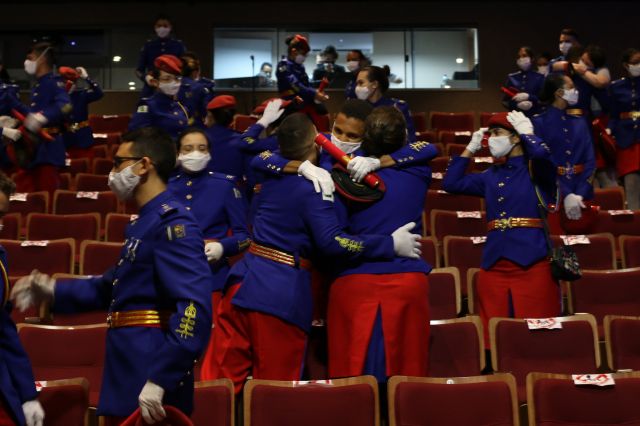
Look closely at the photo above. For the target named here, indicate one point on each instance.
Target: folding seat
(11, 226)
(598, 253)
(472, 295)
(484, 118)
(77, 165)
(630, 250)
(102, 166)
(60, 352)
(456, 347)
(32, 202)
(74, 202)
(622, 343)
(100, 150)
(455, 149)
(66, 181)
(84, 226)
(439, 164)
(115, 226)
(463, 253)
(128, 207)
(214, 403)
(419, 121)
(555, 399)
(65, 402)
(601, 293)
(109, 140)
(430, 252)
(428, 136)
(441, 200)
(109, 123)
(610, 198)
(243, 122)
(454, 401)
(618, 224)
(55, 255)
(92, 182)
(444, 293)
(457, 137)
(461, 121)
(340, 402)
(467, 224)
(98, 256)
(519, 350)
(71, 319)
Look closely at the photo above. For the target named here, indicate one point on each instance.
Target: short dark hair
(162, 17)
(574, 53)
(362, 56)
(293, 136)
(156, 144)
(188, 131)
(571, 33)
(46, 50)
(190, 62)
(7, 186)
(379, 74)
(385, 131)
(596, 55)
(552, 83)
(628, 54)
(528, 50)
(267, 64)
(223, 116)
(355, 108)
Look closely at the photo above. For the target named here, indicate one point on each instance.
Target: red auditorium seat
(630, 250)
(84, 226)
(428, 136)
(214, 403)
(554, 399)
(610, 198)
(445, 223)
(444, 293)
(65, 402)
(622, 343)
(468, 401)
(430, 252)
(456, 347)
(98, 256)
(624, 224)
(32, 202)
(11, 226)
(419, 121)
(100, 151)
(109, 123)
(129, 207)
(448, 137)
(66, 181)
(439, 164)
(602, 293)
(77, 165)
(74, 202)
(243, 122)
(102, 166)
(56, 256)
(71, 319)
(462, 253)
(92, 182)
(340, 402)
(472, 297)
(484, 118)
(59, 352)
(115, 225)
(573, 349)
(461, 121)
(441, 200)
(600, 253)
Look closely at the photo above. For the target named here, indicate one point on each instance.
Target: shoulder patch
(175, 232)
(166, 209)
(230, 178)
(237, 193)
(143, 109)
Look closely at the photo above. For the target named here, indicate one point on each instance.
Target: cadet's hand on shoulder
(321, 179)
(405, 243)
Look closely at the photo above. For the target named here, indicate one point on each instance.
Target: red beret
(300, 42)
(168, 63)
(68, 73)
(260, 108)
(222, 101)
(500, 120)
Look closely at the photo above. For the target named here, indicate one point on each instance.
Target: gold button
(501, 184)
(188, 208)
(115, 282)
(500, 199)
(189, 196)
(568, 152)
(189, 183)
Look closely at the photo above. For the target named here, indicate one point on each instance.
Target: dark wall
(503, 27)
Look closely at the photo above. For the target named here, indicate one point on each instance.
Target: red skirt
(628, 159)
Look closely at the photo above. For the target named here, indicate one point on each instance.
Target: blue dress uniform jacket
(219, 209)
(404, 108)
(251, 144)
(293, 81)
(508, 192)
(161, 111)
(49, 98)
(195, 95)
(16, 378)
(151, 49)
(76, 136)
(624, 96)
(525, 82)
(162, 267)
(570, 141)
(226, 157)
(293, 218)
(9, 98)
(350, 89)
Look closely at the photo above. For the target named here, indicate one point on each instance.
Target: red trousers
(403, 301)
(245, 342)
(6, 419)
(44, 177)
(534, 292)
(628, 159)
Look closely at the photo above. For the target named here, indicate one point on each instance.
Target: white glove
(573, 205)
(359, 167)
(405, 243)
(476, 140)
(320, 177)
(519, 97)
(608, 131)
(524, 105)
(520, 122)
(271, 113)
(33, 413)
(35, 121)
(8, 121)
(214, 251)
(13, 134)
(83, 73)
(150, 401)
(33, 290)
(148, 78)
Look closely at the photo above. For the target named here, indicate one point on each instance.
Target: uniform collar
(516, 161)
(154, 203)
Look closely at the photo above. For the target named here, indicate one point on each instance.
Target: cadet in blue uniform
(356, 60)
(569, 138)
(162, 44)
(527, 82)
(163, 109)
(9, 97)
(227, 158)
(514, 260)
(158, 295)
(48, 107)
(264, 318)
(195, 91)
(372, 85)
(18, 404)
(78, 137)
(625, 115)
(568, 39)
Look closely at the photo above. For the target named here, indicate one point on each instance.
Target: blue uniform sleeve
(88, 294)
(61, 105)
(286, 77)
(236, 210)
(143, 117)
(585, 184)
(411, 128)
(250, 142)
(141, 68)
(415, 153)
(269, 163)
(535, 148)
(184, 278)
(14, 355)
(94, 93)
(457, 181)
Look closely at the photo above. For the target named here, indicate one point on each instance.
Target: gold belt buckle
(503, 224)
(634, 115)
(109, 320)
(74, 127)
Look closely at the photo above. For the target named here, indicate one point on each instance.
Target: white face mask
(170, 89)
(363, 92)
(300, 59)
(500, 146)
(543, 69)
(564, 47)
(571, 96)
(346, 147)
(194, 161)
(353, 66)
(123, 183)
(634, 70)
(31, 66)
(163, 32)
(524, 63)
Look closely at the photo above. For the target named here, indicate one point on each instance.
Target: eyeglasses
(117, 161)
